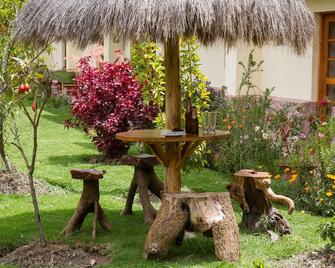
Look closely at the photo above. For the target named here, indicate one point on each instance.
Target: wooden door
(327, 66)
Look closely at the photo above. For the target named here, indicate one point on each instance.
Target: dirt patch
(58, 255)
(18, 183)
(315, 259)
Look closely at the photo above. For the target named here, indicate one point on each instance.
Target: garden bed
(317, 259)
(18, 183)
(57, 255)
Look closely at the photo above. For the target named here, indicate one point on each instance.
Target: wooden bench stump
(145, 180)
(89, 202)
(209, 213)
(252, 191)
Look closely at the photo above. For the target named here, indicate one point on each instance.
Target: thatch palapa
(258, 22)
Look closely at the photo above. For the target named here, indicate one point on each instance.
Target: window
(327, 64)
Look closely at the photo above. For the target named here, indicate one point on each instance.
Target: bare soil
(57, 254)
(18, 183)
(315, 259)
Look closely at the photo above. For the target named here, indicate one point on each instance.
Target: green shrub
(327, 232)
(148, 65)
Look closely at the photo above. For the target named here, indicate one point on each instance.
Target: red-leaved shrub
(109, 102)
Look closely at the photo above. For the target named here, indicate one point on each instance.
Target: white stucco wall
(217, 64)
(56, 60)
(291, 75)
(321, 5)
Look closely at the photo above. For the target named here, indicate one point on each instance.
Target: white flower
(246, 137)
(266, 136)
(324, 123)
(257, 128)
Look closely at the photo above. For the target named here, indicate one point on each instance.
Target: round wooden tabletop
(154, 136)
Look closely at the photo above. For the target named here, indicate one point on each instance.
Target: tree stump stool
(145, 180)
(252, 191)
(209, 213)
(89, 202)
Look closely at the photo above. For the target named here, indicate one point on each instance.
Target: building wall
(292, 76)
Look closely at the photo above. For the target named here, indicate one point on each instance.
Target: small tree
(8, 49)
(110, 101)
(37, 76)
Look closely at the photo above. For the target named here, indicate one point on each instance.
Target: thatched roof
(260, 22)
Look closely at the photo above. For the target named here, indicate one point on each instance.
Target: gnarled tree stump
(209, 213)
(89, 202)
(252, 191)
(145, 180)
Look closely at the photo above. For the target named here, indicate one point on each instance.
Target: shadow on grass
(70, 160)
(85, 145)
(56, 118)
(126, 238)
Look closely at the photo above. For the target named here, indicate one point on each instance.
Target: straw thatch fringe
(258, 22)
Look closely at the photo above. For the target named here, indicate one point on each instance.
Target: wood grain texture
(152, 136)
(172, 84)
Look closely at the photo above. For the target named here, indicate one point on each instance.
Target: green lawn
(61, 149)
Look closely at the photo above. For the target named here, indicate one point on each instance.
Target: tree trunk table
(89, 202)
(145, 180)
(170, 151)
(209, 213)
(252, 191)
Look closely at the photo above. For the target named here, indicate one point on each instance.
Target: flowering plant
(313, 184)
(324, 102)
(109, 102)
(246, 117)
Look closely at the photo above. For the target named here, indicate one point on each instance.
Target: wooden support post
(172, 171)
(173, 113)
(172, 84)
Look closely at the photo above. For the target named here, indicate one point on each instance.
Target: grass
(61, 149)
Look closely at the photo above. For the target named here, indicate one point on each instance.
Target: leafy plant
(312, 170)
(245, 116)
(149, 69)
(110, 101)
(194, 83)
(327, 232)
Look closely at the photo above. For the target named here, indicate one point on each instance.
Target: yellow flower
(311, 172)
(278, 177)
(294, 172)
(294, 177)
(329, 194)
(321, 200)
(225, 120)
(333, 187)
(330, 176)
(287, 170)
